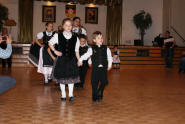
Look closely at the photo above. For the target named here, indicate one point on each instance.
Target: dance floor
(140, 96)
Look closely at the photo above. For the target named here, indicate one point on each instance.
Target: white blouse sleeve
(109, 57)
(40, 35)
(84, 31)
(54, 39)
(86, 55)
(77, 45)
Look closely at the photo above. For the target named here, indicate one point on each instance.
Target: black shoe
(95, 99)
(100, 98)
(77, 87)
(71, 98)
(63, 99)
(81, 87)
(180, 70)
(49, 80)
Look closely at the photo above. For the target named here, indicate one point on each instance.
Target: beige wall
(177, 19)
(39, 26)
(166, 14)
(130, 7)
(12, 6)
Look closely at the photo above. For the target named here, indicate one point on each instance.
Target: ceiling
(98, 2)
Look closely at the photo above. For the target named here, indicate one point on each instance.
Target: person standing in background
(169, 44)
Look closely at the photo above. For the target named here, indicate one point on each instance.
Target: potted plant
(142, 21)
(3, 15)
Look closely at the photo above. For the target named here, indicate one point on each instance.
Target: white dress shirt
(76, 29)
(54, 40)
(90, 52)
(41, 34)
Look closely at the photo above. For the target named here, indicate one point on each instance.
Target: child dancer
(77, 27)
(65, 70)
(46, 59)
(116, 60)
(101, 62)
(83, 69)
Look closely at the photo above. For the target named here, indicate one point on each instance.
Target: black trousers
(169, 56)
(99, 80)
(82, 72)
(9, 61)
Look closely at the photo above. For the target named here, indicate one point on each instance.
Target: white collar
(67, 35)
(49, 33)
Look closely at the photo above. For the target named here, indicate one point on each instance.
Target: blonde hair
(95, 34)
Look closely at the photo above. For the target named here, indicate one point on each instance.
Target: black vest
(83, 50)
(67, 46)
(46, 38)
(99, 56)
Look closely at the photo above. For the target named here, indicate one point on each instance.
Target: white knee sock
(49, 76)
(46, 78)
(62, 88)
(70, 86)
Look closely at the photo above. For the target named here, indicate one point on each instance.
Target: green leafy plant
(142, 21)
(3, 15)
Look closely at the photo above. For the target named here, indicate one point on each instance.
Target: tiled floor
(141, 96)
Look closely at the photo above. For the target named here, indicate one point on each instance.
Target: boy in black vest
(83, 69)
(101, 62)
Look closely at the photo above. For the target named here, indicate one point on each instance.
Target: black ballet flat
(95, 99)
(49, 80)
(63, 99)
(100, 98)
(71, 98)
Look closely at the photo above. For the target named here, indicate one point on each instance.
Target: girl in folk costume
(116, 59)
(77, 28)
(46, 57)
(65, 70)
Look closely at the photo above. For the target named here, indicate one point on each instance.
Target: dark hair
(168, 32)
(115, 46)
(65, 20)
(95, 34)
(75, 18)
(83, 36)
(48, 23)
